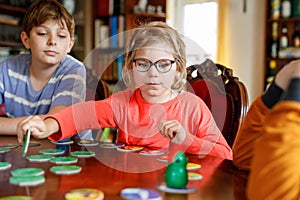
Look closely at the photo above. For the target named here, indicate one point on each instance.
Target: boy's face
(152, 82)
(49, 43)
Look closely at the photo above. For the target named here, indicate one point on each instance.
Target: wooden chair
(223, 93)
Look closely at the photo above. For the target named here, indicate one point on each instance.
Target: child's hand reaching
(172, 130)
(38, 127)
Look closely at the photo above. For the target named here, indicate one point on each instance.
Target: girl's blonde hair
(43, 10)
(156, 33)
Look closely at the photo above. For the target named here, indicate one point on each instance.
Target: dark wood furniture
(111, 171)
(224, 94)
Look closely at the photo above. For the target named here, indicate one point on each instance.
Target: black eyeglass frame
(155, 64)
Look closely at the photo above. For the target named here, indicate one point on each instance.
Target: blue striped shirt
(66, 86)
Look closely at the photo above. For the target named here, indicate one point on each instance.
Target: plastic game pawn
(176, 175)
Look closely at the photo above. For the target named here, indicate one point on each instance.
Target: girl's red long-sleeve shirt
(137, 121)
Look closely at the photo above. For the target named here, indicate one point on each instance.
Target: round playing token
(186, 190)
(111, 145)
(130, 148)
(32, 144)
(88, 143)
(30, 171)
(64, 160)
(192, 176)
(83, 154)
(152, 152)
(17, 197)
(39, 158)
(192, 166)
(85, 193)
(4, 165)
(4, 149)
(9, 145)
(52, 151)
(65, 169)
(140, 194)
(62, 142)
(26, 180)
(163, 158)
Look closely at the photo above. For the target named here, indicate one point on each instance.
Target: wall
(244, 41)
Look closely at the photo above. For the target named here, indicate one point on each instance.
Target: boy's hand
(172, 130)
(287, 73)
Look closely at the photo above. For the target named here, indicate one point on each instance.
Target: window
(199, 23)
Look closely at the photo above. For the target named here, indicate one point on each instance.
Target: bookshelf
(10, 27)
(275, 56)
(112, 19)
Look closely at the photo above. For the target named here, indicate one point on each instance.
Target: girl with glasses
(154, 111)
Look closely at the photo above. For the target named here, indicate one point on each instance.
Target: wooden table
(111, 171)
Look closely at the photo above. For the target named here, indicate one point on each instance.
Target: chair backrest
(223, 93)
(96, 89)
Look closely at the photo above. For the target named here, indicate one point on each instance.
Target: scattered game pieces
(140, 194)
(193, 166)
(65, 169)
(152, 152)
(4, 165)
(4, 149)
(164, 158)
(130, 148)
(31, 144)
(30, 171)
(85, 194)
(27, 180)
(64, 160)
(52, 151)
(88, 143)
(111, 145)
(186, 190)
(83, 154)
(62, 142)
(39, 158)
(9, 145)
(193, 176)
(17, 197)
(26, 140)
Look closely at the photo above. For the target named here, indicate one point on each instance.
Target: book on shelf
(8, 19)
(110, 7)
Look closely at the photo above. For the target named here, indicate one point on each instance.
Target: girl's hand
(172, 130)
(36, 125)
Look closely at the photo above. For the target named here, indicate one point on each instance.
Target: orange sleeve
(249, 132)
(275, 170)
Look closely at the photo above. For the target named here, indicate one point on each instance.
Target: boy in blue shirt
(47, 79)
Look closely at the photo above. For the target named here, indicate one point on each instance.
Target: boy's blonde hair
(43, 10)
(156, 33)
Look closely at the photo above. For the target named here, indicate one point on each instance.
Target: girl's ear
(25, 40)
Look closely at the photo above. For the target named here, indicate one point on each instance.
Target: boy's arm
(251, 128)
(276, 153)
(9, 125)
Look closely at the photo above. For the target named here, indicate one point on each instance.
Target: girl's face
(155, 86)
(49, 43)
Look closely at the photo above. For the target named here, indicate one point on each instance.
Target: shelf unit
(283, 56)
(110, 21)
(10, 28)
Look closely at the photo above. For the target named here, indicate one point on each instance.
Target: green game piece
(4, 165)
(83, 154)
(27, 172)
(65, 169)
(16, 198)
(39, 158)
(26, 180)
(64, 160)
(52, 151)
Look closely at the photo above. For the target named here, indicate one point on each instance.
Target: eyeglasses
(162, 66)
